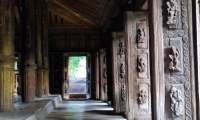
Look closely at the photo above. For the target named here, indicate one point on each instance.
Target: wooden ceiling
(85, 13)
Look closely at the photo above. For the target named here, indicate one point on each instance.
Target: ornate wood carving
(123, 92)
(122, 70)
(142, 97)
(180, 83)
(142, 35)
(176, 102)
(174, 59)
(138, 75)
(173, 10)
(119, 72)
(121, 52)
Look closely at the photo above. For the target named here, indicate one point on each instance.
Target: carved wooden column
(97, 75)
(103, 75)
(119, 73)
(45, 47)
(138, 62)
(28, 65)
(7, 55)
(38, 38)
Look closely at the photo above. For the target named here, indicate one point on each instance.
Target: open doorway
(77, 75)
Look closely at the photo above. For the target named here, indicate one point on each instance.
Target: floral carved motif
(173, 11)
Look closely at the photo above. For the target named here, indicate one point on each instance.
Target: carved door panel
(138, 70)
(88, 79)
(119, 73)
(103, 75)
(65, 83)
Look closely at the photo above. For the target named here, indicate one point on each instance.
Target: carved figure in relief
(176, 102)
(123, 92)
(172, 11)
(105, 73)
(140, 35)
(141, 65)
(104, 59)
(105, 88)
(174, 57)
(142, 98)
(122, 70)
(121, 51)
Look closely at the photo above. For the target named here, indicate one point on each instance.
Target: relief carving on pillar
(104, 59)
(122, 70)
(105, 73)
(123, 92)
(121, 49)
(141, 65)
(105, 88)
(141, 35)
(176, 102)
(174, 58)
(142, 97)
(173, 10)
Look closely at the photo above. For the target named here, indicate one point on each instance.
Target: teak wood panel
(119, 73)
(74, 43)
(103, 74)
(138, 70)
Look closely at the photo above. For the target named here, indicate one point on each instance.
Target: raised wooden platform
(32, 111)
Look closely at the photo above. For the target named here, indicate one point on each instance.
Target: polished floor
(83, 110)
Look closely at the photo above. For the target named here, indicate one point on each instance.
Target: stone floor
(83, 110)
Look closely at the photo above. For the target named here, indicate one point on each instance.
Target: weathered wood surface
(103, 75)
(97, 88)
(138, 78)
(28, 65)
(7, 55)
(119, 73)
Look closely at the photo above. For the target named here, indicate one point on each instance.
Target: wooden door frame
(88, 69)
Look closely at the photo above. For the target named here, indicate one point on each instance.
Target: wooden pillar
(103, 75)
(119, 73)
(45, 47)
(157, 70)
(38, 37)
(6, 55)
(138, 66)
(97, 75)
(28, 65)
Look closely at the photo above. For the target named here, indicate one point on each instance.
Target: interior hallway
(83, 110)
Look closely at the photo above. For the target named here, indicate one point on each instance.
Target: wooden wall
(71, 41)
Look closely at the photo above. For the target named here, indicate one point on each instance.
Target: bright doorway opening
(77, 75)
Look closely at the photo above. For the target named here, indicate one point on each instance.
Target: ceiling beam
(66, 8)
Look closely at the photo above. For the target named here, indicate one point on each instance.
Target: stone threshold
(37, 110)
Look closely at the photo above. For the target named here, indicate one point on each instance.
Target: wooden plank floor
(83, 110)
